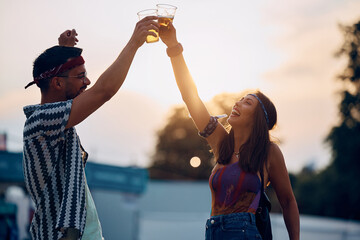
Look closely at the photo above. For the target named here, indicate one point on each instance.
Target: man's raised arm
(112, 79)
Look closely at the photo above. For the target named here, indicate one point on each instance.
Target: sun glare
(195, 162)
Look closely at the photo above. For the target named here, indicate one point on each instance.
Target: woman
(243, 155)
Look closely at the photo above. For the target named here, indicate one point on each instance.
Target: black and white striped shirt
(53, 170)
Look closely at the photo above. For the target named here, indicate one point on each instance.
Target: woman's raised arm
(187, 87)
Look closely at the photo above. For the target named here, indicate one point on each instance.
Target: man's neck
(50, 98)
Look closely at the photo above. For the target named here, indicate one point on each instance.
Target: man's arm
(112, 79)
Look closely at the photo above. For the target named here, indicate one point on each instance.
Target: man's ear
(57, 83)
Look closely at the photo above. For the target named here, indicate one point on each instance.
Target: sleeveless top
(234, 190)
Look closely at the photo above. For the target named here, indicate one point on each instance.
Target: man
(54, 159)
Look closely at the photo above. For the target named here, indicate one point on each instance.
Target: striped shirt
(53, 170)
(234, 190)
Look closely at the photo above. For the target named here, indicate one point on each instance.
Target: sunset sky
(284, 48)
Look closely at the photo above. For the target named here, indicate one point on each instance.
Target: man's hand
(142, 30)
(168, 35)
(68, 38)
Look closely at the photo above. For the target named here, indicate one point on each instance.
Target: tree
(345, 138)
(335, 190)
(179, 141)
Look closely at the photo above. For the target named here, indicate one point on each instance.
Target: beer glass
(149, 12)
(165, 13)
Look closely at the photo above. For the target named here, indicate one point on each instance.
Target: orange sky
(284, 48)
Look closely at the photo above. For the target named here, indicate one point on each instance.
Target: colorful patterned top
(234, 190)
(53, 170)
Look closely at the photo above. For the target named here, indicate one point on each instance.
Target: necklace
(237, 154)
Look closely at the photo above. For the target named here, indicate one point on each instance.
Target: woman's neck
(240, 137)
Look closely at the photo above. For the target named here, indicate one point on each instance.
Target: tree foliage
(335, 191)
(342, 175)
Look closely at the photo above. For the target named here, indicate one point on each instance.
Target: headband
(262, 106)
(74, 62)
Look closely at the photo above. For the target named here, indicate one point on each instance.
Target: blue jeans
(235, 226)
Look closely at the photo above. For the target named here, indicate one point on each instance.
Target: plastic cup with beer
(166, 14)
(149, 12)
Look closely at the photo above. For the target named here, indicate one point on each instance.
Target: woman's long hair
(253, 154)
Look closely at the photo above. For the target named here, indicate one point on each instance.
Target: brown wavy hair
(253, 154)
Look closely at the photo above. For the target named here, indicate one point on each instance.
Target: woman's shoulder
(274, 155)
(274, 149)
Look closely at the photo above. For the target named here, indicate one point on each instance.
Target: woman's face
(242, 114)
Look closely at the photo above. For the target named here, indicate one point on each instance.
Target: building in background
(132, 208)
(3, 142)
(115, 190)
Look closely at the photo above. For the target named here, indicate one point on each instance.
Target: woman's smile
(235, 113)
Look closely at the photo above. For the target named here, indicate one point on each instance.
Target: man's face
(76, 82)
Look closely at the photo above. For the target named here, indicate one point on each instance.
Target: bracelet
(210, 127)
(175, 50)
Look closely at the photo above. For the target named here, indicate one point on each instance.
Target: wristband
(175, 50)
(210, 127)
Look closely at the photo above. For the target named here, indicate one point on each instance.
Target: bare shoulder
(274, 151)
(275, 157)
(277, 167)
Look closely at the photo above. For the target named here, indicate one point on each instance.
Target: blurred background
(148, 169)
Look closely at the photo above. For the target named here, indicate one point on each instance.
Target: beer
(151, 38)
(164, 21)
(149, 12)
(165, 13)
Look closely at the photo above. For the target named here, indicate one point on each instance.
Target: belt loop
(252, 218)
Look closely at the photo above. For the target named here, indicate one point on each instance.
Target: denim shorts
(235, 226)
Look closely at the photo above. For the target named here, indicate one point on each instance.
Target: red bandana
(57, 70)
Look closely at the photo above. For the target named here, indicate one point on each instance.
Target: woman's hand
(68, 38)
(168, 35)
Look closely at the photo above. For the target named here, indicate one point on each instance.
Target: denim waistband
(233, 217)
